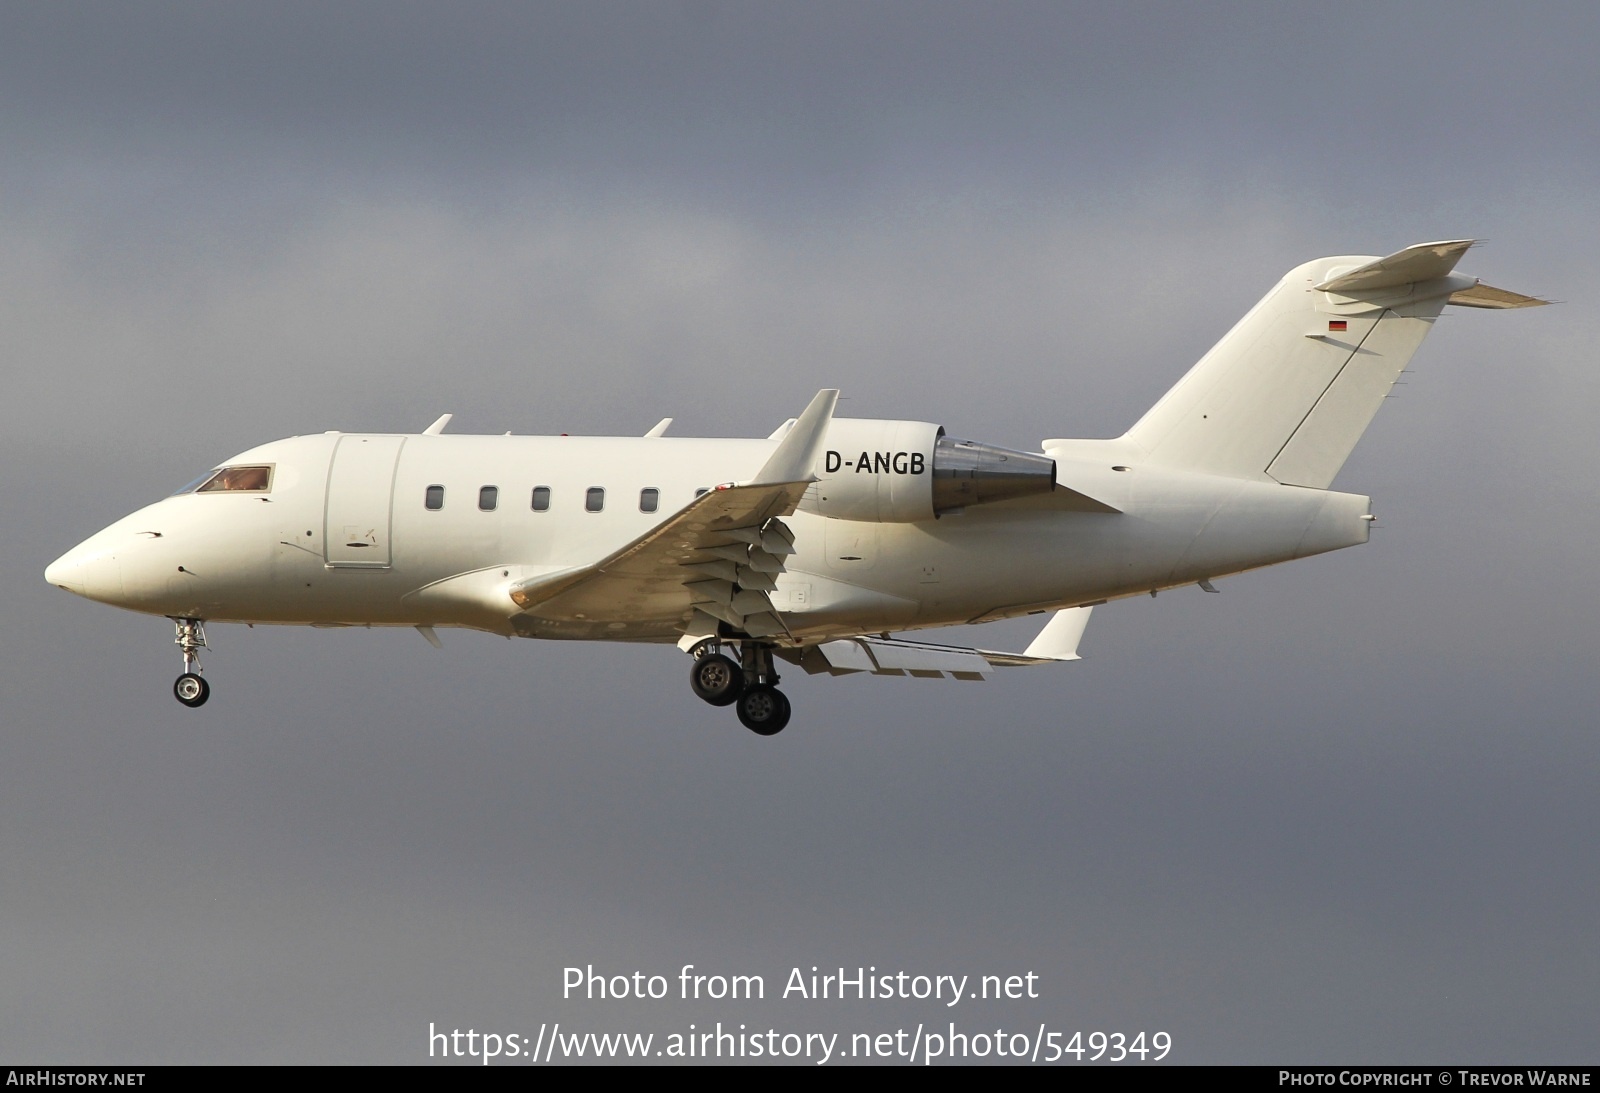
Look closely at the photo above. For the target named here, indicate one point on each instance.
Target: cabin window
(649, 499)
(541, 498)
(595, 500)
(488, 497)
(238, 480)
(433, 498)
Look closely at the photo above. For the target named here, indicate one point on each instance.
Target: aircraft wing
(721, 540)
(717, 556)
(883, 656)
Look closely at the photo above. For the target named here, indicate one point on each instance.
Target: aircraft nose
(87, 570)
(63, 573)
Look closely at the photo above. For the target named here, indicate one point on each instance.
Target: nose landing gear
(191, 688)
(749, 686)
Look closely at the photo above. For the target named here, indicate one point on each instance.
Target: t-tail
(1285, 395)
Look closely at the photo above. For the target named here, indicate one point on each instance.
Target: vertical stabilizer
(1289, 390)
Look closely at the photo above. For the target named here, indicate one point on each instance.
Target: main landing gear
(191, 688)
(749, 687)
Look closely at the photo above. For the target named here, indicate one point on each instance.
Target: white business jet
(812, 545)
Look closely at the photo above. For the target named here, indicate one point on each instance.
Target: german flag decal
(1336, 325)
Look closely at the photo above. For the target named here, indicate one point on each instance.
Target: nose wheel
(191, 688)
(749, 685)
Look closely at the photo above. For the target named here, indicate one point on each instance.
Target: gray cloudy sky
(1342, 812)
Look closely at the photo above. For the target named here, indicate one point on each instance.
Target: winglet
(1057, 642)
(796, 454)
(438, 426)
(660, 427)
(1060, 636)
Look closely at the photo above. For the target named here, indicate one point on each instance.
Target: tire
(763, 710)
(716, 679)
(191, 690)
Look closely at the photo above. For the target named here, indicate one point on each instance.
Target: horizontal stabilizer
(1419, 262)
(1482, 295)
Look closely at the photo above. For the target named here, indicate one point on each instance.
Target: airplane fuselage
(346, 536)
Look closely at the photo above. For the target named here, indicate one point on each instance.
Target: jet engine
(899, 472)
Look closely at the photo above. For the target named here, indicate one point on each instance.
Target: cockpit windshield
(248, 479)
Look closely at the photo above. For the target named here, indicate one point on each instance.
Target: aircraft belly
(633, 605)
(1002, 563)
(656, 630)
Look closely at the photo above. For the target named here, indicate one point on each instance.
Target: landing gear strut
(191, 688)
(749, 685)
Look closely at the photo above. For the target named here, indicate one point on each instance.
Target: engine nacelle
(900, 472)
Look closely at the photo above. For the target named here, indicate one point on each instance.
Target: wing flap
(717, 556)
(685, 548)
(1057, 642)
